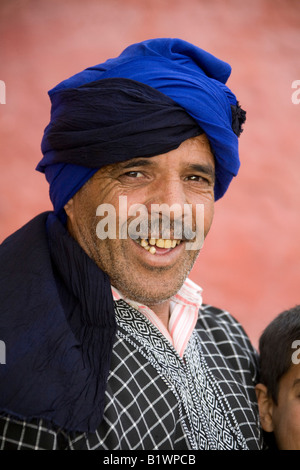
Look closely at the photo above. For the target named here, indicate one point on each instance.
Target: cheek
(287, 426)
(293, 416)
(97, 199)
(208, 215)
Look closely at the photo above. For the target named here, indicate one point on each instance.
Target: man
(108, 343)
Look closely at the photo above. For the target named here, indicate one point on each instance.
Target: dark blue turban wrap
(145, 102)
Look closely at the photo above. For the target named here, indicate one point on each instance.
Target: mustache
(160, 226)
(187, 226)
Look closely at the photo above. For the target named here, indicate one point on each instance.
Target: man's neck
(162, 310)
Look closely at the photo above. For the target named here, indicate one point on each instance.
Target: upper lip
(182, 239)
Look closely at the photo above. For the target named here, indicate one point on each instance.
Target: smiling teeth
(159, 242)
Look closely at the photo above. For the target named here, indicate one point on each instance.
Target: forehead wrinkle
(137, 162)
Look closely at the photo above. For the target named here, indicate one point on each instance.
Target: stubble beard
(154, 289)
(111, 258)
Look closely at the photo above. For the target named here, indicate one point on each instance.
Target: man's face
(182, 176)
(286, 415)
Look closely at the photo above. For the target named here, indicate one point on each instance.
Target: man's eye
(134, 174)
(197, 178)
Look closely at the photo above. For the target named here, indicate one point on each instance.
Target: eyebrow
(198, 167)
(203, 168)
(136, 162)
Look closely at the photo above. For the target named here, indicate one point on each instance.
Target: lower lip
(162, 251)
(164, 255)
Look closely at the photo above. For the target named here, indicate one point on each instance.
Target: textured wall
(250, 261)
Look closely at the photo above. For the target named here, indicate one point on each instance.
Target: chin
(151, 295)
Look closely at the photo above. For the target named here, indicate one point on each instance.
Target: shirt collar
(190, 294)
(184, 307)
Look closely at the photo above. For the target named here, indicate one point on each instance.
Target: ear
(265, 406)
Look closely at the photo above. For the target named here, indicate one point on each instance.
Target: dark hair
(275, 347)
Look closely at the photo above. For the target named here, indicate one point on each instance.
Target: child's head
(278, 392)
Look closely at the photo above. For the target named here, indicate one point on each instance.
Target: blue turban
(144, 102)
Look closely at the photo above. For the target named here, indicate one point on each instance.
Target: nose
(168, 208)
(170, 195)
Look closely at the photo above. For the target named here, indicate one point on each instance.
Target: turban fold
(144, 102)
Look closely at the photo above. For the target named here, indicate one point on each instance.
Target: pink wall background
(250, 261)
